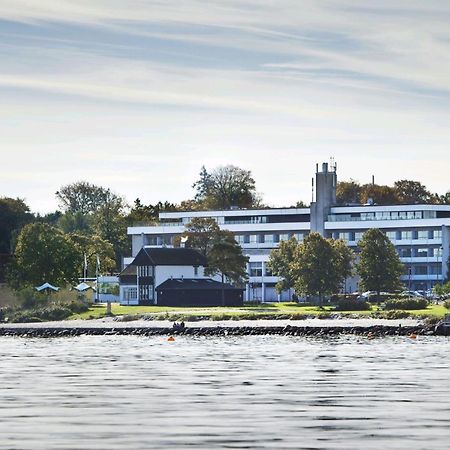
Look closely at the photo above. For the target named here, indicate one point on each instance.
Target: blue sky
(137, 95)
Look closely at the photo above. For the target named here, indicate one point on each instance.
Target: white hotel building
(420, 233)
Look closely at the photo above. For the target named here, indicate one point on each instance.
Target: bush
(77, 306)
(447, 304)
(352, 304)
(406, 303)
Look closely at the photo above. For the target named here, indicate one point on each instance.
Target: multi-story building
(420, 233)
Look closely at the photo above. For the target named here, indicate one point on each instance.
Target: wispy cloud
(240, 81)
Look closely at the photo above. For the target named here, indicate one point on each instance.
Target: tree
(280, 262)
(148, 213)
(411, 192)
(14, 214)
(380, 194)
(110, 224)
(44, 254)
(348, 192)
(201, 233)
(225, 258)
(226, 187)
(443, 199)
(83, 197)
(379, 265)
(75, 222)
(320, 265)
(93, 246)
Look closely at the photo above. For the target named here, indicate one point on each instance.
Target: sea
(246, 392)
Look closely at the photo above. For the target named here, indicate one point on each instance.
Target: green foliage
(352, 304)
(14, 214)
(317, 266)
(93, 246)
(280, 264)
(320, 265)
(44, 254)
(148, 214)
(83, 197)
(226, 187)
(406, 303)
(225, 257)
(379, 265)
(411, 192)
(403, 192)
(442, 290)
(201, 233)
(447, 304)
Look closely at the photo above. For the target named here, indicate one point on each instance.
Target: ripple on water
(242, 392)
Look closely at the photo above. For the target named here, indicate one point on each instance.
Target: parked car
(411, 294)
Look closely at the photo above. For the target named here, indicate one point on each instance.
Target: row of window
(419, 252)
(430, 269)
(382, 215)
(396, 235)
(145, 292)
(269, 238)
(146, 271)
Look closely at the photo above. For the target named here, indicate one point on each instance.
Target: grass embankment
(262, 311)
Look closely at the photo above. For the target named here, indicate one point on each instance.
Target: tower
(326, 181)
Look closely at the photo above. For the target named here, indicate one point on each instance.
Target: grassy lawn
(268, 310)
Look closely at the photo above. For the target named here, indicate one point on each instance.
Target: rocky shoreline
(288, 330)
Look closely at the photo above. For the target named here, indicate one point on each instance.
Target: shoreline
(312, 327)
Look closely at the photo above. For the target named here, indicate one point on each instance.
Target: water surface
(129, 392)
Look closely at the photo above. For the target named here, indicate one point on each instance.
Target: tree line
(319, 266)
(92, 220)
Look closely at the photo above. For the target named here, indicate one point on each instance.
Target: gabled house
(152, 267)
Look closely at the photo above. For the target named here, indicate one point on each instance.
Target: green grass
(269, 310)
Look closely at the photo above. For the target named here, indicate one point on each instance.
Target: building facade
(420, 233)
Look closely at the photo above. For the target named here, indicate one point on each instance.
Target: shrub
(77, 306)
(447, 304)
(352, 304)
(406, 303)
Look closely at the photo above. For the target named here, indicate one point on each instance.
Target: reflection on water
(246, 392)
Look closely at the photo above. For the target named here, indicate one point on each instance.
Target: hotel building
(420, 233)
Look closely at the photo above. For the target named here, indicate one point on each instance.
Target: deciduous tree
(44, 254)
(379, 265)
(226, 187)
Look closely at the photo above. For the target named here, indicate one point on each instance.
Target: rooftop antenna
(373, 180)
(332, 163)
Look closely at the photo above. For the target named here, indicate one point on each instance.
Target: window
(437, 234)
(421, 270)
(435, 269)
(437, 252)
(268, 272)
(284, 237)
(358, 235)
(268, 238)
(404, 252)
(406, 235)
(253, 238)
(422, 252)
(255, 269)
(345, 236)
(392, 235)
(240, 239)
(299, 236)
(145, 271)
(422, 234)
(195, 271)
(130, 294)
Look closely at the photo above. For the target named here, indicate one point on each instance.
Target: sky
(138, 95)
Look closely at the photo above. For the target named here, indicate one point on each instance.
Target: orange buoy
(171, 339)
(413, 336)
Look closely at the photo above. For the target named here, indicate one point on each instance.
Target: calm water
(245, 392)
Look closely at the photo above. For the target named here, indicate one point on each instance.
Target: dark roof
(194, 284)
(129, 270)
(169, 257)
